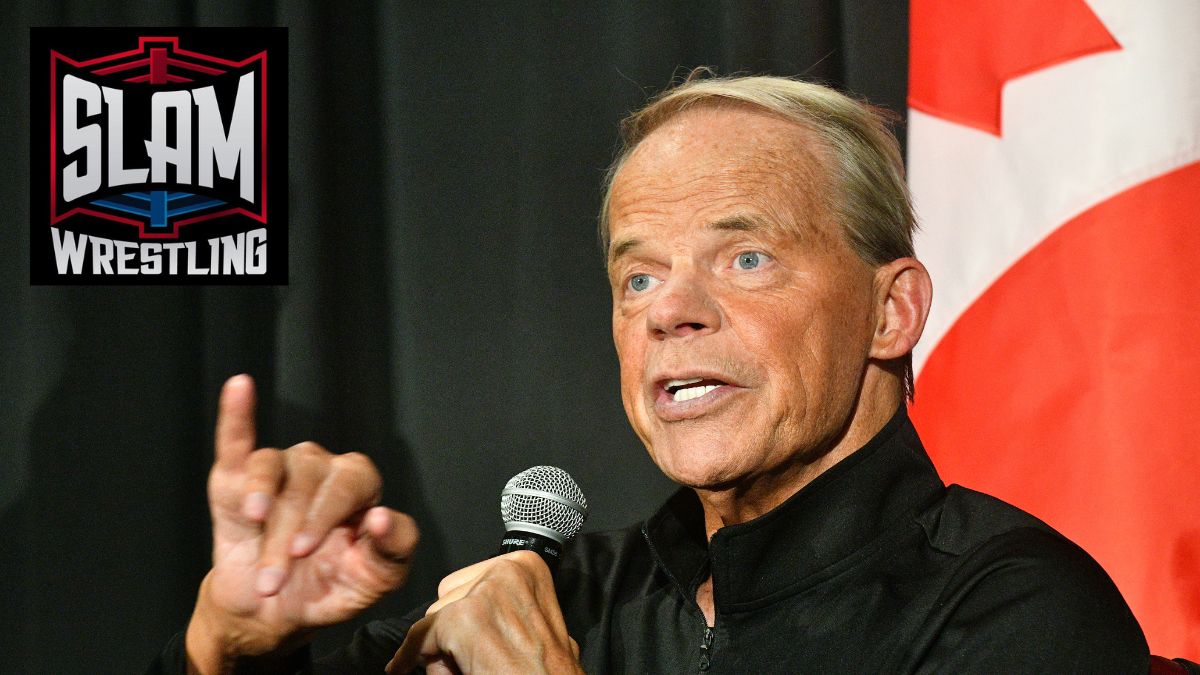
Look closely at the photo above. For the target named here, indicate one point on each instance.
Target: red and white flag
(1054, 158)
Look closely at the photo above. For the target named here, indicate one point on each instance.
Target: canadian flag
(1054, 159)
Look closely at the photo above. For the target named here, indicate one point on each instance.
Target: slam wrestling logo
(158, 156)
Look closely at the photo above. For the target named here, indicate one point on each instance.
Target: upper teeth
(689, 393)
(685, 393)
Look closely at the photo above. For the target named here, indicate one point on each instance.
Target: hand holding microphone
(502, 614)
(300, 542)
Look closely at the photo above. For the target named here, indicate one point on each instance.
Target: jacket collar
(860, 500)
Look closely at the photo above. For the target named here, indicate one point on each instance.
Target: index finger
(235, 422)
(416, 641)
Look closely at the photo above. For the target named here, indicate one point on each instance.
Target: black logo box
(234, 44)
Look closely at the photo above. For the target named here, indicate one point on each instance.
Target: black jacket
(875, 566)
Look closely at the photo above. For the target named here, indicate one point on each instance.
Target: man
(765, 303)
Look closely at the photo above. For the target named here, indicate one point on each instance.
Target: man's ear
(903, 292)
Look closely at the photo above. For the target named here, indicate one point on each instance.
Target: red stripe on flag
(1071, 388)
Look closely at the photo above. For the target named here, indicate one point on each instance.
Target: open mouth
(686, 390)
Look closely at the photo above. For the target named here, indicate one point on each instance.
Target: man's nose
(683, 306)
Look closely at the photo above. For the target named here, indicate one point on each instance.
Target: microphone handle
(549, 549)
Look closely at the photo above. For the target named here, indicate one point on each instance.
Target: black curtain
(448, 312)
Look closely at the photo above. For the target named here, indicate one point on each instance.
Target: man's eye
(641, 282)
(749, 260)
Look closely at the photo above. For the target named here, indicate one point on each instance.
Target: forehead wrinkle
(675, 192)
(808, 184)
(784, 174)
(653, 205)
(795, 167)
(785, 199)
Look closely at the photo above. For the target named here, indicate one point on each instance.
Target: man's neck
(745, 502)
(734, 506)
(739, 504)
(728, 507)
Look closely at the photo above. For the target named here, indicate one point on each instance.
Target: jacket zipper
(706, 644)
(706, 649)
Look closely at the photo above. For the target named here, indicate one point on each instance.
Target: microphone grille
(545, 497)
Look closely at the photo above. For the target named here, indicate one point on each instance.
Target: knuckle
(485, 585)
(525, 559)
(359, 468)
(265, 454)
(522, 564)
(308, 450)
(304, 465)
(263, 466)
(504, 568)
(358, 460)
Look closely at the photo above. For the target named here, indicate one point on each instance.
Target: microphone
(542, 508)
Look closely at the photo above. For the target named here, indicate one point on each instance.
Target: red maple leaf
(962, 53)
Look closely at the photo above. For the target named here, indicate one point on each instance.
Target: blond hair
(870, 200)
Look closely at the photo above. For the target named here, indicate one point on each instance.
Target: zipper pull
(706, 649)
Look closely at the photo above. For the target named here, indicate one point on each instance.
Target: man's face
(742, 318)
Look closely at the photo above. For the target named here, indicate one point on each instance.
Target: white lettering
(174, 249)
(226, 150)
(77, 138)
(117, 173)
(234, 264)
(256, 262)
(126, 252)
(152, 259)
(192, 269)
(234, 255)
(157, 149)
(102, 255)
(68, 253)
(230, 148)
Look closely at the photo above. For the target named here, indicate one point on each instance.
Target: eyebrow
(739, 223)
(621, 247)
(735, 223)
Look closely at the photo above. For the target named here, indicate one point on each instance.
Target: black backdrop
(447, 313)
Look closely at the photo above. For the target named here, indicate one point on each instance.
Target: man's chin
(697, 474)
